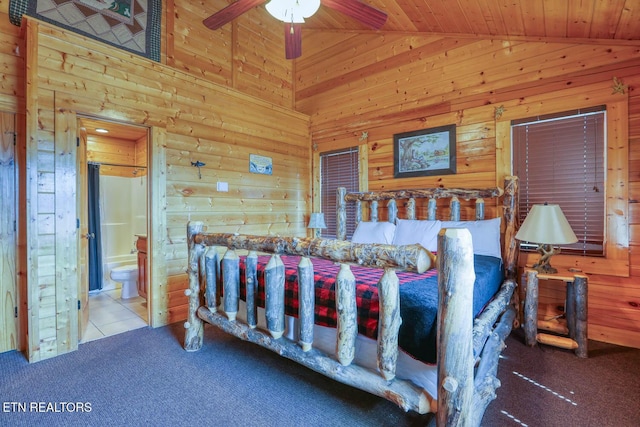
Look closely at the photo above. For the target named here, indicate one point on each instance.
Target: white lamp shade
(546, 224)
(317, 221)
(292, 11)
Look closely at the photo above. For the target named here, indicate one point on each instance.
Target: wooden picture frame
(425, 152)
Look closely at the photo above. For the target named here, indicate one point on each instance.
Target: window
(338, 169)
(560, 159)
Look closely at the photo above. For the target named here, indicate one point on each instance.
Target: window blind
(338, 169)
(561, 160)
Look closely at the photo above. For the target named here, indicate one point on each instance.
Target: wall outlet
(223, 186)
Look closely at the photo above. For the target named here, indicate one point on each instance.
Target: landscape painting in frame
(425, 152)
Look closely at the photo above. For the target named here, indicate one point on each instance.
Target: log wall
(189, 120)
(246, 54)
(388, 84)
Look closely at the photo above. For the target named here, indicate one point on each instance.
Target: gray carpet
(143, 377)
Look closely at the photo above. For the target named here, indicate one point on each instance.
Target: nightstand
(570, 332)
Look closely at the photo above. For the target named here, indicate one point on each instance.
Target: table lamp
(316, 222)
(546, 225)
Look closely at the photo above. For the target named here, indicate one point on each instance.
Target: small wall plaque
(260, 164)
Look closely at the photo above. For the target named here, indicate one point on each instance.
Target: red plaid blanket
(325, 273)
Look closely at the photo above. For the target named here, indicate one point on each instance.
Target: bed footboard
(468, 349)
(455, 280)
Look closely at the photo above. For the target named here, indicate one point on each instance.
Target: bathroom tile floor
(111, 315)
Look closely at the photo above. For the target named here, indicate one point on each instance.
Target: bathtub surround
(124, 209)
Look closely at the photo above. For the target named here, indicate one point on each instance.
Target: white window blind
(338, 169)
(561, 159)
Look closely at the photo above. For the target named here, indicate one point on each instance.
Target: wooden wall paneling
(21, 254)
(82, 209)
(157, 229)
(31, 172)
(8, 230)
(517, 64)
(141, 154)
(120, 87)
(66, 247)
(617, 181)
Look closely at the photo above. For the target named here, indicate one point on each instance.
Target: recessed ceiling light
(102, 130)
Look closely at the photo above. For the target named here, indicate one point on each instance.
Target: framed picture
(260, 164)
(425, 152)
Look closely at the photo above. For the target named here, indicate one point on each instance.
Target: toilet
(128, 276)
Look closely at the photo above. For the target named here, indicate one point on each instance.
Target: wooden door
(8, 226)
(83, 263)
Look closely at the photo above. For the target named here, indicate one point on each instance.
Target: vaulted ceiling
(540, 19)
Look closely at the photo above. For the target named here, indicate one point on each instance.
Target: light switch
(223, 186)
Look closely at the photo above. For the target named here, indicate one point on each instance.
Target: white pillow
(374, 232)
(409, 232)
(485, 235)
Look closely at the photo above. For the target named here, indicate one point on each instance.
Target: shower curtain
(94, 240)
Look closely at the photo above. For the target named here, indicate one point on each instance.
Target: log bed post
(231, 283)
(194, 328)
(306, 302)
(251, 285)
(388, 323)
(347, 315)
(455, 323)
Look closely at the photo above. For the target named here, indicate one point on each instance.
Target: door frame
(83, 284)
(9, 156)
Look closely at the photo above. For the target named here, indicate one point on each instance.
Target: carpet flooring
(144, 377)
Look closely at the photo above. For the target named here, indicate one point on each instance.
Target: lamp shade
(292, 11)
(546, 224)
(317, 221)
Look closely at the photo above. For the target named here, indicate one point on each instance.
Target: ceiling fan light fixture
(292, 11)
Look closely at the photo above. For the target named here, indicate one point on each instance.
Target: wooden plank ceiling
(551, 19)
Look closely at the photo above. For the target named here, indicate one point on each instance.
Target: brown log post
(388, 323)
(582, 291)
(373, 211)
(251, 287)
(511, 248)
(231, 283)
(347, 315)
(456, 277)
(194, 330)
(306, 302)
(570, 308)
(530, 324)
(274, 295)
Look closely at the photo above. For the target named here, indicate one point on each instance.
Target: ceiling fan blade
(229, 13)
(292, 40)
(362, 12)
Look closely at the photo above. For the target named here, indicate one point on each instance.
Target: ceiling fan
(293, 12)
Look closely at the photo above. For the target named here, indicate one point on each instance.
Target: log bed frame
(466, 383)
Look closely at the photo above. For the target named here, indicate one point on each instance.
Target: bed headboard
(370, 201)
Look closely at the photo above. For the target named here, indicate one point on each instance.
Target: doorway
(113, 200)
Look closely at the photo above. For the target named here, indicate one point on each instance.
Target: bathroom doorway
(114, 219)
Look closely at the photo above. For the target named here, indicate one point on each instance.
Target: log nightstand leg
(531, 309)
(581, 298)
